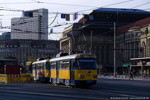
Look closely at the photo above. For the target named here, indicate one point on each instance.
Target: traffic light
(141, 49)
(121, 49)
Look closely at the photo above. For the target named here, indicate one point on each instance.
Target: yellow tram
(40, 70)
(77, 69)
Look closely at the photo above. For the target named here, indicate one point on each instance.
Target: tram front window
(87, 64)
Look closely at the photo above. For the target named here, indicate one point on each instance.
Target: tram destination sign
(87, 56)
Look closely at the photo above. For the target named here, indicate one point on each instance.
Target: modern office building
(23, 50)
(33, 25)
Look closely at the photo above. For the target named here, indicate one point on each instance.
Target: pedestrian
(131, 75)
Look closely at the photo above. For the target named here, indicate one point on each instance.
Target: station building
(94, 33)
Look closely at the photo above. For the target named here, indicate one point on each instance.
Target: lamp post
(91, 42)
(114, 49)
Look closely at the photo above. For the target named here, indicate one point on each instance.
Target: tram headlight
(95, 76)
(82, 76)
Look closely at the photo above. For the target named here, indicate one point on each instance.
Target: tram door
(72, 64)
(57, 71)
(36, 73)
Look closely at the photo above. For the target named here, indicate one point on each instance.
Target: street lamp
(91, 42)
(114, 49)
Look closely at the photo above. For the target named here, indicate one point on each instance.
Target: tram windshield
(87, 64)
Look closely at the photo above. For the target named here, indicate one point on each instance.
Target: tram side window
(44, 66)
(34, 67)
(64, 64)
(73, 64)
(53, 65)
(40, 66)
(48, 66)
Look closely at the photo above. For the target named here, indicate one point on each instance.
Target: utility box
(11, 69)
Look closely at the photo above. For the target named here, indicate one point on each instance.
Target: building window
(137, 34)
(107, 54)
(146, 31)
(132, 35)
(102, 55)
(15, 46)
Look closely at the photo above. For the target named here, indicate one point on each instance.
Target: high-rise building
(33, 25)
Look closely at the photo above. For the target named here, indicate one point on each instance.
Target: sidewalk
(124, 77)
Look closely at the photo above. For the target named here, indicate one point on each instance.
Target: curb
(125, 78)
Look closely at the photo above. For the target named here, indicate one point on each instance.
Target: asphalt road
(105, 89)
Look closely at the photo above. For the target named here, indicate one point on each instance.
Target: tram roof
(41, 61)
(69, 57)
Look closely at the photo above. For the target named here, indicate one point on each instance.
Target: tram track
(54, 91)
(51, 94)
(62, 91)
(101, 91)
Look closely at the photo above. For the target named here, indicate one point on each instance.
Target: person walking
(131, 75)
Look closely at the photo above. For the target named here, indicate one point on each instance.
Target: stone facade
(132, 38)
(89, 42)
(94, 33)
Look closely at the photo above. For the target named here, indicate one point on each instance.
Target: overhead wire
(106, 5)
(70, 5)
(53, 20)
(18, 3)
(34, 1)
(60, 4)
(141, 5)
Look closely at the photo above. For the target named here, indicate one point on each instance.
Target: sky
(62, 6)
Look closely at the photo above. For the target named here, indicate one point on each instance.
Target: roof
(71, 57)
(140, 23)
(82, 20)
(41, 61)
(120, 10)
(64, 57)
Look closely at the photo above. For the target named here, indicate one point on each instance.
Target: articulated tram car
(40, 70)
(74, 70)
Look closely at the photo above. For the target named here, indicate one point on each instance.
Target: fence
(12, 78)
